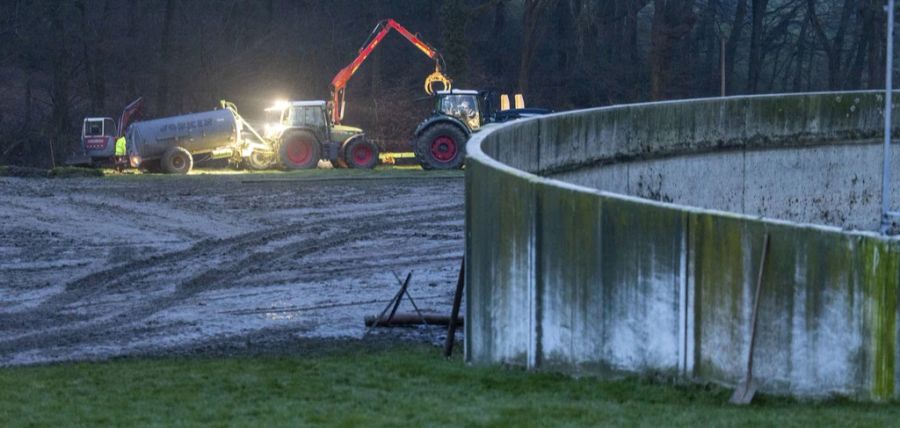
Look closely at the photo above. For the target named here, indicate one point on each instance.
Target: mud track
(99, 268)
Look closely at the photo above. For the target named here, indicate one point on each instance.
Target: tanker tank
(198, 133)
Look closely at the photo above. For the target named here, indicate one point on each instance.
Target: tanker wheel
(177, 160)
(441, 146)
(299, 150)
(360, 153)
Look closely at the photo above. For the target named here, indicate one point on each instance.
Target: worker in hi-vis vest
(120, 154)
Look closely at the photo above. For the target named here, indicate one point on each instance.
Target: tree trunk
(92, 43)
(855, 72)
(833, 48)
(756, 35)
(710, 42)
(532, 28)
(876, 19)
(734, 38)
(59, 90)
(801, 54)
(672, 21)
(162, 89)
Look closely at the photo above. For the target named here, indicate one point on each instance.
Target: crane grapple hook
(436, 78)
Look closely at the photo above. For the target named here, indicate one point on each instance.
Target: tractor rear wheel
(299, 150)
(441, 146)
(360, 153)
(177, 160)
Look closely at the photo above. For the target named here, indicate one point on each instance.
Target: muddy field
(93, 268)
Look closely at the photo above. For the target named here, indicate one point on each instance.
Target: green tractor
(301, 134)
(440, 140)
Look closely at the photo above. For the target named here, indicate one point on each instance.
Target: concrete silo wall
(572, 278)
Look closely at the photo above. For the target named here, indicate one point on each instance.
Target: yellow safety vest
(120, 146)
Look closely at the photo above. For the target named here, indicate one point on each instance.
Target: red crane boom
(339, 82)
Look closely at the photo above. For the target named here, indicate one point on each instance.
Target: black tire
(259, 161)
(441, 146)
(177, 160)
(360, 153)
(298, 150)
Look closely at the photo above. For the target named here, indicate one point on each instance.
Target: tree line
(62, 60)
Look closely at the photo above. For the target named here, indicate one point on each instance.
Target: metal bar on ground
(403, 285)
(381, 315)
(454, 313)
(416, 307)
(406, 319)
(404, 289)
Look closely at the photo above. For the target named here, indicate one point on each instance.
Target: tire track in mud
(52, 314)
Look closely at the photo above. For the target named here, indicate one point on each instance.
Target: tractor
(440, 140)
(302, 133)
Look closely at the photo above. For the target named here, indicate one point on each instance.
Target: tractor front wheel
(361, 153)
(299, 150)
(441, 146)
(260, 161)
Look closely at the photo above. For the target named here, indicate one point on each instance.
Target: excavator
(339, 82)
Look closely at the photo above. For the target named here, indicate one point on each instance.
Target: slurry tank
(627, 239)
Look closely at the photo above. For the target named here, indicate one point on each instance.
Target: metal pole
(722, 65)
(888, 74)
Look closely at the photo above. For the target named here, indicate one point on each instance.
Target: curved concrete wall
(572, 278)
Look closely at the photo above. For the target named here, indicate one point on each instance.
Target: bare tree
(834, 48)
(672, 21)
(165, 58)
(533, 28)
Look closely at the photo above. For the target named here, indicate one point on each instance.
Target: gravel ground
(94, 268)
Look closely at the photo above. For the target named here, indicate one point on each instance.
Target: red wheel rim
(362, 154)
(443, 148)
(298, 151)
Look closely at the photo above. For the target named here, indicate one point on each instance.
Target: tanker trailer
(172, 143)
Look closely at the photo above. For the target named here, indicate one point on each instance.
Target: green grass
(399, 385)
(74, 171)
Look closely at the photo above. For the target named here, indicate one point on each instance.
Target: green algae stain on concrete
(880, 261)
(725, 257)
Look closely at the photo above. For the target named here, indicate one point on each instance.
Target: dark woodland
(63, 60)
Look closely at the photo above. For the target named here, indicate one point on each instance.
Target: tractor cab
(308, 115)
(461, 104)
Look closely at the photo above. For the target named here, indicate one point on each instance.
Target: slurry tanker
(172, 144)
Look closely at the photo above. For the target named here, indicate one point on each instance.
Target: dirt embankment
(95, 268)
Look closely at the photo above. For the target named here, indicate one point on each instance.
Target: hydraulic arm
(339, 82)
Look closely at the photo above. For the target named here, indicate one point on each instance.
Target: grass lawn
(353, 384)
